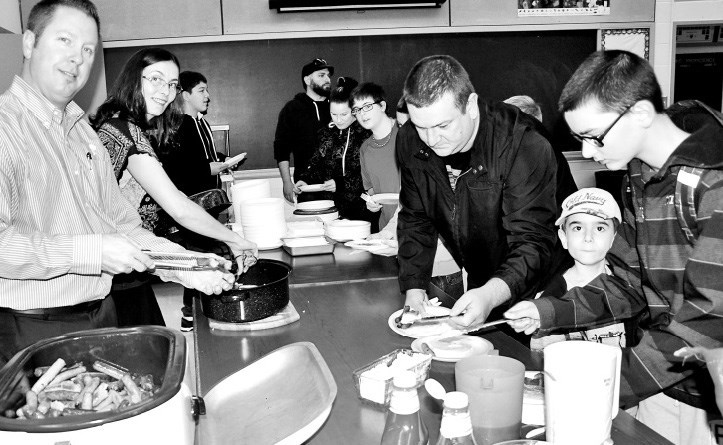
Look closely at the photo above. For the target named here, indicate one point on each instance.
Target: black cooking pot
(259, 293)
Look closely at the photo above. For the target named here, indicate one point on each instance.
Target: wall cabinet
(164, 19)
(143, 19)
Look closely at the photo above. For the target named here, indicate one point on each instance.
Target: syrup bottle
(404, 424)
(456, 427)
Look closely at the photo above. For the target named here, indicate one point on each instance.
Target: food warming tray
(166, 418)
(282, 398)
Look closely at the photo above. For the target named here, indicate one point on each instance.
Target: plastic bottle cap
(456, 400)
(405, 379)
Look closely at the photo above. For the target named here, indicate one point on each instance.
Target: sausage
(111, 369)
(66, 385)
(31, 403)
(133, 391)
(75, 411)
(62, 395)
(48, 376)
(67, 375)
(44, 406)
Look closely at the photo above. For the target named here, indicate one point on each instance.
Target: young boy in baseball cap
(587, 226)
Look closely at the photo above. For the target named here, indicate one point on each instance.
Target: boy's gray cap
(593, 201)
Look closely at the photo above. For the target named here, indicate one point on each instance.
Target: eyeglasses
(320, 61)
(159, 82)
(598, 140)
(365, 108)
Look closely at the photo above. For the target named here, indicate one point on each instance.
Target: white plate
(422, 330)
(321, 204)
(234, 160)
(386, 198)
(375, 244)
(312, 188)
(472, 346)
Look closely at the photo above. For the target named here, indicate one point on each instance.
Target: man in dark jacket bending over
(480, 177)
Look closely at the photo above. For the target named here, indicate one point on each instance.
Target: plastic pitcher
(494, 386)
(582, 387)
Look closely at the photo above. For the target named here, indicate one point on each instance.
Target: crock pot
(167, 418)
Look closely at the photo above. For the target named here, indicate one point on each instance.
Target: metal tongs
(184, 261)
(413, 318)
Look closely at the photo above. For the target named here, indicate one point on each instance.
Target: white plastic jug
(582, 388)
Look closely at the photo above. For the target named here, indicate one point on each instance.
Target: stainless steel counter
(345, 316)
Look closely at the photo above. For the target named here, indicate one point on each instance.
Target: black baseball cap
(316, 65)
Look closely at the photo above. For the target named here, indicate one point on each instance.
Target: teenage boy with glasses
(668, 248)
(380, 173)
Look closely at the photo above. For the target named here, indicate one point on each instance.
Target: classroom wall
(251, 80)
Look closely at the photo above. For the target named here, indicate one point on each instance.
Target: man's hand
(476, 304)
(417, 300)
(383, 235)
(329, 186)
(121, 255)
(524, 316)
(373, 206)
(245, 253)
(290, 191)
(217, 167)
(209, 282)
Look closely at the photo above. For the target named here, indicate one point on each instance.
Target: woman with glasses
(139, 116)
(335, 164)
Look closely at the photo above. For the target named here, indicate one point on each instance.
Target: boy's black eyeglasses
(598, 140)
(365, 108)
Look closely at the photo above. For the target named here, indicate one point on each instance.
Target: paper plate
(453, 349)
(321, 204)
(312, 188)
(234, 160)
(422, 330)
(386, 198)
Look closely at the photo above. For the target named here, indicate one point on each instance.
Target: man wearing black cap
(300, 120)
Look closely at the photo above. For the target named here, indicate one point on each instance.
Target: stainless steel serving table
(344, 303)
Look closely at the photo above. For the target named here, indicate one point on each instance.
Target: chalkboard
(250, 81)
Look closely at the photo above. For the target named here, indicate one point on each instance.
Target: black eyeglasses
(365, 108)
(159, 82)
(598, 140)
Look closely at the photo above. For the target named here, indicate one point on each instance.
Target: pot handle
(198, 407)
(244, 295)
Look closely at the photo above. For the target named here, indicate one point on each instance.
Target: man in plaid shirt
(668, 265)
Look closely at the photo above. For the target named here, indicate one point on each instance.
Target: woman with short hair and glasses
(335, 163)
(139, 116)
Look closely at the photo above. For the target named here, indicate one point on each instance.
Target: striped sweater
(674, 288)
